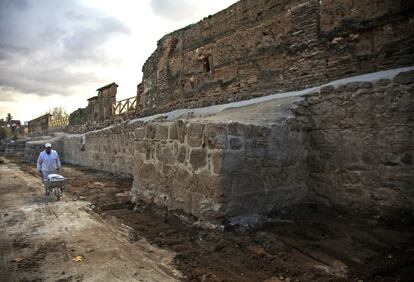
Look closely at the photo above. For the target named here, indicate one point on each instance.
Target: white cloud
(61, 51)
(175, 10)
(41, 39)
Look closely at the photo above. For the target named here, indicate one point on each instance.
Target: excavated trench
(306, 243)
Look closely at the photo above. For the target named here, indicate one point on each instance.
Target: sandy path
(39, 238)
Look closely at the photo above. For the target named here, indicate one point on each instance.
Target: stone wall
(258, 47)
(15, 148)
(359, 141)
(219, 172)
(348, 146)
(39, 125)
(111, 149)
(216, 171)
(32, 149)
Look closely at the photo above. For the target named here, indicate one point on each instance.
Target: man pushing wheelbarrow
(48, 165)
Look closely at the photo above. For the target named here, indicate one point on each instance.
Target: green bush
(4, 133)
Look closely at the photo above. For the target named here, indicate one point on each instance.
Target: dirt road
(45, 240)
(116, 242)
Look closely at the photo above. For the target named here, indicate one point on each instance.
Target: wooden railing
(124, 106)
(59, 122)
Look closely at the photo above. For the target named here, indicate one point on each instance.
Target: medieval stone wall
(349, 146)
(215, 171)
(220, 171)
(111, 149)
(359, 142)
(258, 47)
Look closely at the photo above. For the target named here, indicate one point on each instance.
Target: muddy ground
(42, 239)
(308, 243)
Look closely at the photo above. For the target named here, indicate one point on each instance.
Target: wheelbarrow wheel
(57, 194)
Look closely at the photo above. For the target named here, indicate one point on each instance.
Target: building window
(206, 64)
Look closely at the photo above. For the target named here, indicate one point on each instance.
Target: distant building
(13, 122)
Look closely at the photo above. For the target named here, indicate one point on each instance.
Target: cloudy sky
(58, 52)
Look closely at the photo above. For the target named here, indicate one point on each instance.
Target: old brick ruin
(39, 125)
(346, 144)
(256, 48)
(99, 107)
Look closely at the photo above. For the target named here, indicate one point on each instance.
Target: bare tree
(58, 112)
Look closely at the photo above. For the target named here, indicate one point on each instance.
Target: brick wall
(255, 48)
(99, 108)
(39, 125)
